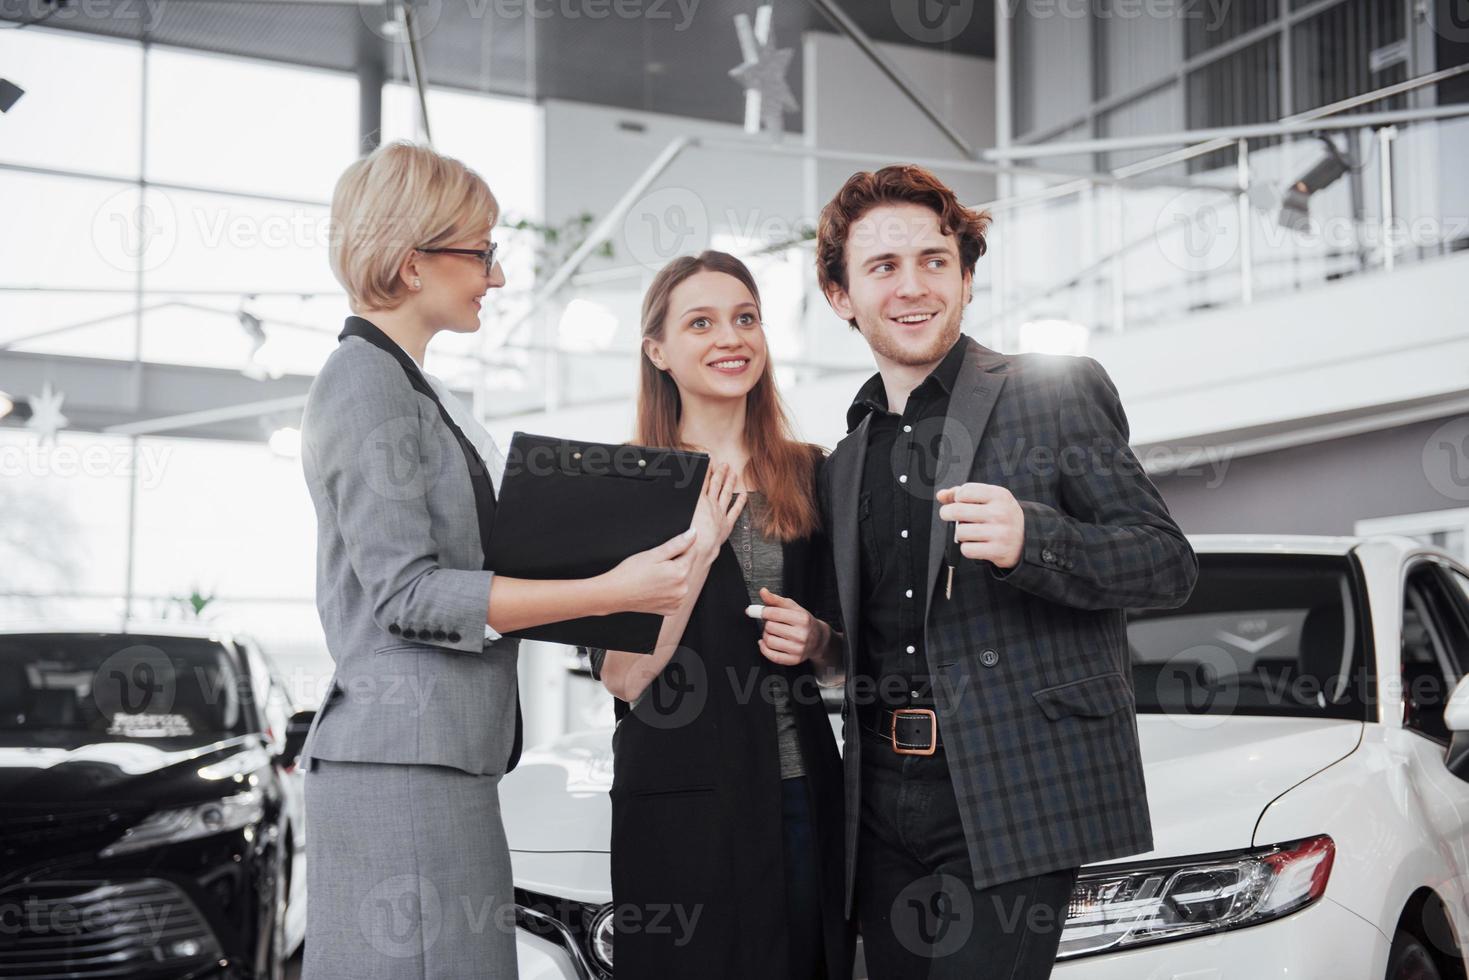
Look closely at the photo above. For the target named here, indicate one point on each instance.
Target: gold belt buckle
(933, 731)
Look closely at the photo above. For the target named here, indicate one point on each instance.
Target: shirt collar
(872, 396)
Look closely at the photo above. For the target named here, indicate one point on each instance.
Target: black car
(149, 818)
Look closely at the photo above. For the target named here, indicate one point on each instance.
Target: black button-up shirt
(895, 509)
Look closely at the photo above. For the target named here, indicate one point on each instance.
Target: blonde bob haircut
(399, 197)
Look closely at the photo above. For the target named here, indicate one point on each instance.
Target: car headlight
(1193, 898)
(187, 823)
(601, 937)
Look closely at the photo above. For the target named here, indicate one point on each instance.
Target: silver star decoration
(763, 74)
(46, 418)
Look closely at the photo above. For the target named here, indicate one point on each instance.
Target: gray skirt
(408, 874)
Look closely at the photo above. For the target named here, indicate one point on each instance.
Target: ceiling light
(1295, 204)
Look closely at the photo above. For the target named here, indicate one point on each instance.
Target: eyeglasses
(485, 255)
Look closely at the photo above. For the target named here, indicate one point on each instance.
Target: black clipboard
(568, 509)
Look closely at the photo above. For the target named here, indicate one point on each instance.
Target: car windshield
(1262, 634)
(83, 687)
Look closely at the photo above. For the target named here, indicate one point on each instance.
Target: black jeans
(803, 884)
(920, 914)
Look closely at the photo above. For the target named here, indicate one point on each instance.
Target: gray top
(762, 560)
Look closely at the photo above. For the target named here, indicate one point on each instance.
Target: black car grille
(27, 829)
(84, 929)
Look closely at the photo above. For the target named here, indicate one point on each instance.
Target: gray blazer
(401, 585)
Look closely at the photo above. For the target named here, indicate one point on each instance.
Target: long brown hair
(782, 467)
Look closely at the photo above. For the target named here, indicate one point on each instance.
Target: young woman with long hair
(727, 787)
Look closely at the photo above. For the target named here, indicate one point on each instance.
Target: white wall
(1371, 340)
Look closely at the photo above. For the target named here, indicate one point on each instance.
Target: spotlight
(14, 408)
(1295, 203)
(286, 442)
(1053, 336)
(10, 94)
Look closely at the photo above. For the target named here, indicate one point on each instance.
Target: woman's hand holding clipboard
(575, 510)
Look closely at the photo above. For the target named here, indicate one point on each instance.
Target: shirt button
(989, 658)
(909, 593)
(915, 693)
(909, 649)
(907, 428)
(904, 532)
(903, 478)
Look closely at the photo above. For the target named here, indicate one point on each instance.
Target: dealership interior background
(1253, 213)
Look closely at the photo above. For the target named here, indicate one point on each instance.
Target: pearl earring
(417, 283)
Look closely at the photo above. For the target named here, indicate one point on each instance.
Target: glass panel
(498, 138)
(221, 242)
(1242, 88)
(65, 527)
(1332, 52)
(62, 231)
(205, 329)
(227, 123)
(66, 118)
(1217, 24)
(1261, 635)
(76, 323)
(264, 549)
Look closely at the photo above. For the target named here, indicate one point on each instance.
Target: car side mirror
(296, 730)
(1456, 720)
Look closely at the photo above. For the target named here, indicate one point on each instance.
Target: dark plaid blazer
(1030, 665)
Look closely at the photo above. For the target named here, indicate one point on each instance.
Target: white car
(1305, 736)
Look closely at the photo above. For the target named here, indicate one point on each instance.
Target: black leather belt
(908, 731)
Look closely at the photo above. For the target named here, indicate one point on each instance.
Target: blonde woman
(409, 872)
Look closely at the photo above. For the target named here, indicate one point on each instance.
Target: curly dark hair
(903, 183)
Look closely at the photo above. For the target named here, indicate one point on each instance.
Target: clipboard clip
(628, 462)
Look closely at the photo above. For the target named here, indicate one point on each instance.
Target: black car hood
(68, 770)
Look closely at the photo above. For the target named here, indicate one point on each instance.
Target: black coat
(697, 870)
